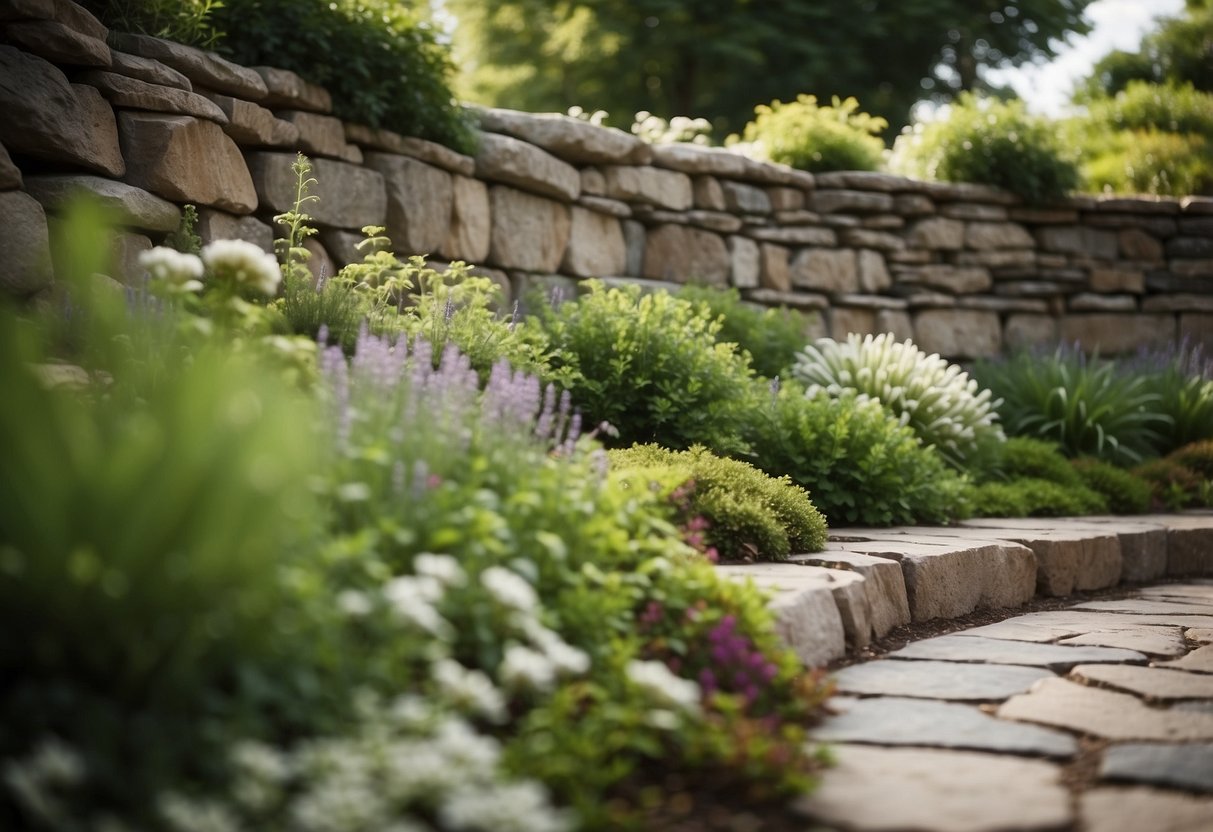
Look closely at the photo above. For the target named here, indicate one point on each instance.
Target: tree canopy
(720, 58)
(1179, 51)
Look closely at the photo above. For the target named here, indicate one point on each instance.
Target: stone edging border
(868, 581)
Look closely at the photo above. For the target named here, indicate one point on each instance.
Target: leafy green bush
(750, 516)
(1182, 378)
(770, 336)
(385, 65)
(857, 462)
(1174, 486)
(990, 142)
(1124, 492)
(650, 365)
(938, 400)
(1031, 497)
(1086, 406)
(813, 137)
(1197, 457)
(1023, 456)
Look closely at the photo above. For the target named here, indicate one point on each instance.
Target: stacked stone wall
(550, 201)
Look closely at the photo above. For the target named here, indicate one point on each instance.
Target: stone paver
(937, 680)
(1199, 660)
(1181, 766)
(901, 721)
(1141, 809)
(1102, 713)
(807, 615)
(876, 789)
(1155, 682)
(964, 648)
(1202, 590)
(1201, 635)
(883, 583)
(1150, 606)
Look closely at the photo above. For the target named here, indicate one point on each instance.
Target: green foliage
(1124, 492)
(771, 337)
(1197, 457)
(1030, 497)
(990, 142)
(859, 465)
(1183, 382)
(384, 65)
(1023, 456)
(1177, 52)
(1174, 486)
(185, 239)
(1084, 405)
(185, 21)
(815, 137)
(938, 400)
(650, 366)
(750, 516)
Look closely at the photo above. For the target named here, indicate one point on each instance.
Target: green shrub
(938, 400)
(990, 142)
(859, 465)
(1183, 381)
(1150, 162)
(1124, 492)
(650, 365)
(1174, 486)
(1197, 457)
(184, 21)
(750, 516)
(770, 336)
(813, 137)
(1084, 405)
(1023, 456)
(1031, 497)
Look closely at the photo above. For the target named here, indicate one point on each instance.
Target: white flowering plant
(937, 399)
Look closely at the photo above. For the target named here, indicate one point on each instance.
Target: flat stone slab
(1202, 591)
(938, 680)
(806, 615)
(1156, 634)
(1200, 635)
(1068, 558)
(1147, 606)
(889, 720)
(1139, 809)
(884, 585)
(1199, 660)
(1155, 682)
(886, 789)
(847, 589)
(964, 648)
(1182, 766)
(1102, 713)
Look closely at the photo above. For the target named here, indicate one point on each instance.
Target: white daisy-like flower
(566, 658)
(469, 688)
(510, 589)
(181, 271)
(413, 597)
(442, 568)
(244, 264)
(504, 807)
(659, 682)
(525, 668)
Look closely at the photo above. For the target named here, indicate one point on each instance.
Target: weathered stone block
(852, 202)
(959, 333)
(1076, 239)
(420, 198)
(1136, 244)
(845, 320)
(132, 94)
(319, 135)
(806, 613)
(975, 212)
(801, 235)
(774, 272)
(529, 232)
(1190, 247)
(55, 42)
(146, 69)
(217, 225)
(958, 280)
(203, 68)
(471, 226)
(350, 196)
(571, 139)
(984, 236)
(596, 245)
(872, 238)
(708, 194)
(431, 153)
(24, 245)
(285, 89)
(747, 262)
(938, 233)
(129, 206)
(651, 186)
(184, 159)
(873, 273)
(514, 162)
(825, 270)
(896, 322)
(10, 176)
(684, 254)
(1113, 333)
(1118, 280)
(745, 199)
(252, 125)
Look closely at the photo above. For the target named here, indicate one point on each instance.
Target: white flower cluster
(657, 680)
(470, 689)
(442, 568)
(508, 807)
(656, 130)
(38, 781)
(243, 264)
(509, 589)
(936, 399)
(175, 270)
(413, 598)
(188, 814)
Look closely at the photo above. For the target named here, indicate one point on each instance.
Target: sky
(1118, 24)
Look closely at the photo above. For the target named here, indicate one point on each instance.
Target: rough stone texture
(1066, 560)
(285, 89)
(747, 262)
(1189, 543)
(1102, 713)
(707, 193)
(146, 69)
(350, 196)
(471, 223)
(1154, 682)
(184, 159)
(10, 175)
(569, 138)
(24, 245)
(873, 273)
(846, 587)
(825, 270)
(529, 232)
(968, 648)
(937, 680)
(514, 162)
(897, 789)
(1138, 809)
(1077, 239)
(745, 199)
(947, 277)
(1201, 592)
(1180, 766)
(129, 206)
(596, 245)
(884, 585)
(1199, 660)
(796, 236)
(904, 721)
(845, 320)
(425, 151)
(319, 135)
(217, 225)
(1117, 280)
(775, 273)
(204, 68)
(1088, 629)
(420, 199)
(807, 616)
(253, 125)
(851, 202)
(693, 159)
(133, 94)
(1147, 606)
(1023, 330)
(1200, 635)
(958, 333)
(1117, 333)
(938, 233)
(683, 254)
(997, 235)
(53, 41)
(650, 186)
(47, 118)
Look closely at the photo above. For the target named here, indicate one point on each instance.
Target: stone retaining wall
(548, 201)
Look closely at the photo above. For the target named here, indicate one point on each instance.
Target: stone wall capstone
(549, 201)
